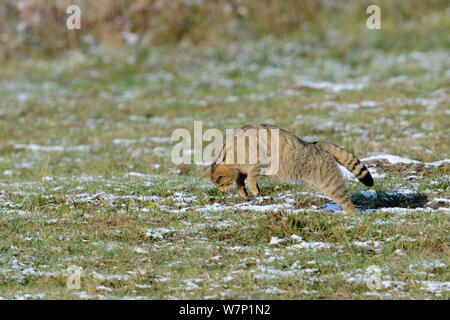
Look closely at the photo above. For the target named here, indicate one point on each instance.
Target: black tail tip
(367, 180)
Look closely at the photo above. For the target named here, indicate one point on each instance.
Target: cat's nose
(224, 189)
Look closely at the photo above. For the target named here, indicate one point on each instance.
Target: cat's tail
(348, 160)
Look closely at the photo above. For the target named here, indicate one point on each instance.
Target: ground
(86, 177)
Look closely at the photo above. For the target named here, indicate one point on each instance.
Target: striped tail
(349, 161)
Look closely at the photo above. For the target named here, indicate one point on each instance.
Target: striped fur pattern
(312, 163)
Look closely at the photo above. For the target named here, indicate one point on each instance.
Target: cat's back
(296, 158)
(284, 136)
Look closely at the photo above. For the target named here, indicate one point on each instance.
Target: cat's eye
(219, 178)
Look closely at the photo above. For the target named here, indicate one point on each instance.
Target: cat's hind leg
(339, 194)
(332, 184)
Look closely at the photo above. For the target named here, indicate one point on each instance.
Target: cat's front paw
(243, 193)
(254, 190)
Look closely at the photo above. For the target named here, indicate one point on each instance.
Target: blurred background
(107, 97)
(37, 27)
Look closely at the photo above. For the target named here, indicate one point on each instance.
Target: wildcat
(312, 163)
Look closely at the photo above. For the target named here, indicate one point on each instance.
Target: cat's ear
(207, 174)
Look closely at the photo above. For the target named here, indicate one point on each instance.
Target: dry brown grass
(38, 27)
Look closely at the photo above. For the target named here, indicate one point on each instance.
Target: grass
(226, 253)
(163, 233)
(33, 28)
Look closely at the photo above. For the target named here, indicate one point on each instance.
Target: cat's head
(222, 175)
